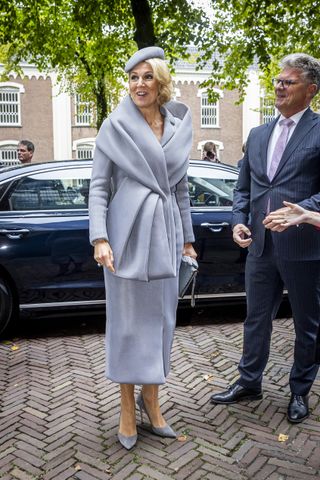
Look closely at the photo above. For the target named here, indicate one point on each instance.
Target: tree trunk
(101, 102)
(144, 35)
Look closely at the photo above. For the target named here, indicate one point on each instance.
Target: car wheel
(7, 308)
(184, 315)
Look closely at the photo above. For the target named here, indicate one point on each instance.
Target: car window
(3, 188)
(52, 190)
(211, 187)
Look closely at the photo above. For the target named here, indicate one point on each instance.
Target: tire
(7, 307)
(184, 315)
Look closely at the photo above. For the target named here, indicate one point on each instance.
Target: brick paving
(59, 414)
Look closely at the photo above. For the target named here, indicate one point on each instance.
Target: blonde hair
(162, 75)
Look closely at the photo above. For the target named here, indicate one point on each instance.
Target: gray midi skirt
(141, 318)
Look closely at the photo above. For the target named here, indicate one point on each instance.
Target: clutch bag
(187, 275)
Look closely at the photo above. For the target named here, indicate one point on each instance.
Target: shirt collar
(296, 117)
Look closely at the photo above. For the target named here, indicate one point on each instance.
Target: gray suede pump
(127, 442)
(165, 431)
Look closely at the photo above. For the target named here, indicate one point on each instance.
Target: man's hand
(241, 234)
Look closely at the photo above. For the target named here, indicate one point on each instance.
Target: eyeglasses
(284, 83)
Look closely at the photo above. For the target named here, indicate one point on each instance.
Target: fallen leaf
(182, 438)
(6, 342)
(214, 354)
(282, 437)
(14, 347)
(207, 377)
(77, 468)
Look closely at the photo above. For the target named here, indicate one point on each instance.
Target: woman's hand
(189, 251)
(276, 220)
(103, 255)
(297, 215)
(291, 214)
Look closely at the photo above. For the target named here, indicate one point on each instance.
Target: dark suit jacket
(297, 180)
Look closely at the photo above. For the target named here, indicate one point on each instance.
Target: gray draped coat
(139, 202)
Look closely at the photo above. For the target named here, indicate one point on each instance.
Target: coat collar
(128, 141)
(169, 127)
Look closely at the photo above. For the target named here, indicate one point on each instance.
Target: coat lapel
(141, 156)
(169, 126)
(179, 124)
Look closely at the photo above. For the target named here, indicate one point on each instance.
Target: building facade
(26, 113)
(61, 126)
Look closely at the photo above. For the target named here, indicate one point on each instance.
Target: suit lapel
(305, 124)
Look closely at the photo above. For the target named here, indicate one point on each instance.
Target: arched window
(84, 148)
(8, 152)
(84, 151)
(219, 146)
(10, 110)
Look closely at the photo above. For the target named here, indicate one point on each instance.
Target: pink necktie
(280, 145)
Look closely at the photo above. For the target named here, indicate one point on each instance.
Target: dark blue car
(46, 260)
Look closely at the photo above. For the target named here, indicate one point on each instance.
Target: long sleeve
(99, 195)
(241, 198)
(183, 201)
(312, 203)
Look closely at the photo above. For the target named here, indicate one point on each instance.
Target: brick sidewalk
(59, 415)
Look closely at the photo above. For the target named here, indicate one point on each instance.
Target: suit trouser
(265, 278)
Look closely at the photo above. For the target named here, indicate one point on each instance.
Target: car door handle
(14, 233)
(215, 227)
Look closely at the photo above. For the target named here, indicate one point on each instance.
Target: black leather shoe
(298, 408)
(236, 393)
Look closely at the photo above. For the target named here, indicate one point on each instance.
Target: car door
(44, 244)
(221, 261)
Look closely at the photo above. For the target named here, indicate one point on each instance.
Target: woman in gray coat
(140, 225)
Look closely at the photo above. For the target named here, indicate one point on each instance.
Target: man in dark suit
(282, 162)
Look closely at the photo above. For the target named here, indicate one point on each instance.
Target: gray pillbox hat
(143, 55)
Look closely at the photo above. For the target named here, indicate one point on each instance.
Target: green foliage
(177, 25)
(87, 43)
(249, 32)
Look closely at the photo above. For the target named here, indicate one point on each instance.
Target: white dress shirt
(276, 132)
